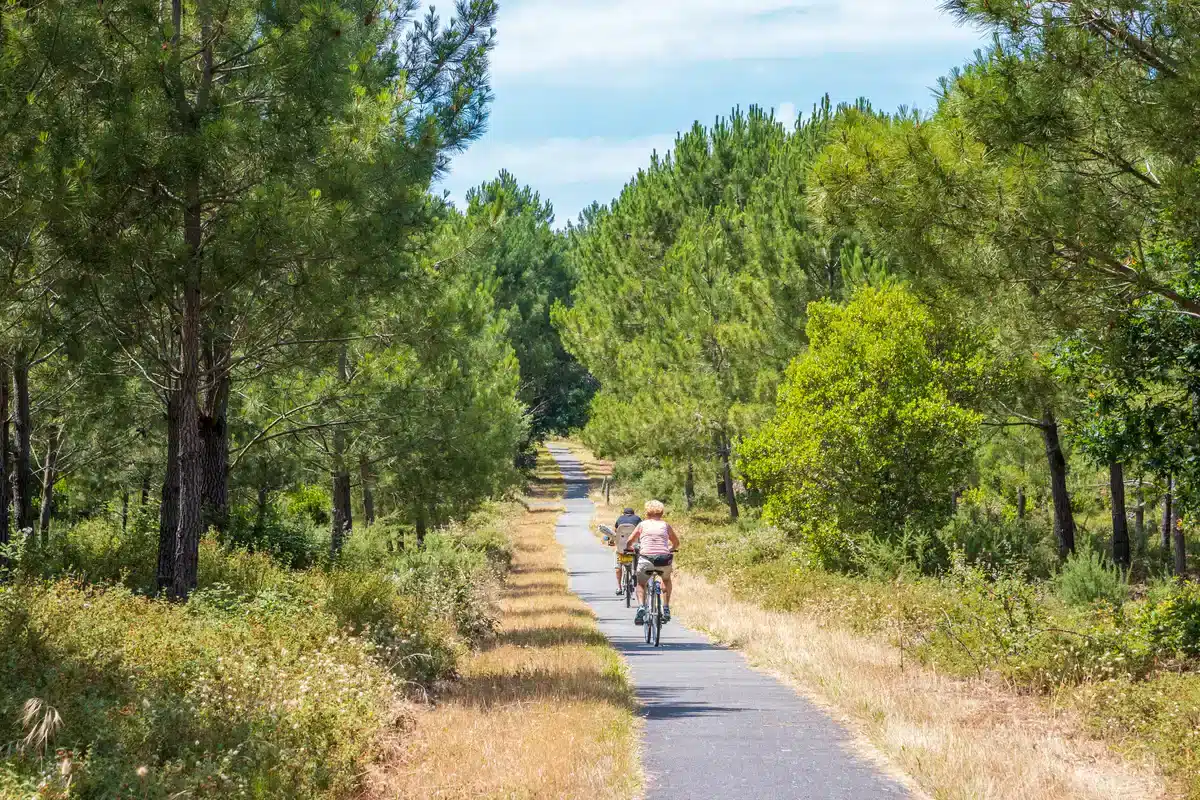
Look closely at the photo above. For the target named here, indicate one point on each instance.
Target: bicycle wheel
(649, 623)
(628, 586)
(657, 613)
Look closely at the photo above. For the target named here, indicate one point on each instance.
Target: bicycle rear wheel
(657, 613)
(628, 586)
(649, 624)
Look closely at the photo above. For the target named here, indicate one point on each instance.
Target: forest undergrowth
(269, 682)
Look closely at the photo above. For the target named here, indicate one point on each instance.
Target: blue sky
(586, 90)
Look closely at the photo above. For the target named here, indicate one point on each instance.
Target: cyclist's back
(625, 526)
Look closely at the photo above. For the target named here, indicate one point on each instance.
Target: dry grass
(544, 711)
(956, 738)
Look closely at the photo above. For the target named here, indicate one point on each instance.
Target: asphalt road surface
(714, 727)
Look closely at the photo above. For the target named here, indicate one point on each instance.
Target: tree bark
(343, 522)
(1168, 515)
(727, 479)
(1180, 550)
(689, 488)
(422, 522)
(48, 479)
(1139, 519)
(4, 487)
(260, 517)
(124, 511)
(214, 436)
(368, 491)
(191, 448)
(168, 511)
(1021, 502)
(1064, 519)
(1120, 541)
(23, 467)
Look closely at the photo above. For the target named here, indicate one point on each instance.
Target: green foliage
(693, 285)
(1171, 621)
(1087, 578)
(270, 682)
(517, 248)
(998, 543)
(157, 699)
(873, 428)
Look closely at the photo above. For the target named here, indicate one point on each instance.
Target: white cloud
(550, 163)
(786, 114)
(571, 173)
(554, 39)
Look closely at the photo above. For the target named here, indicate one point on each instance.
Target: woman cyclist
(658, 542)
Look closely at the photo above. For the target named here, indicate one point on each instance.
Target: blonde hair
(655, 508)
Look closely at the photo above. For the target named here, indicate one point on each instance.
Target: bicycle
(654, 612)
(629, 576)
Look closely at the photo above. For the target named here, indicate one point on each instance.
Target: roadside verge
(544, 710)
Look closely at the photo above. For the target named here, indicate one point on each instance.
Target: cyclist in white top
(658, 544)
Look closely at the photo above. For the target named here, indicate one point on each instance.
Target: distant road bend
(714, 727)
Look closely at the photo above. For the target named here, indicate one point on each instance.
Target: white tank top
(655, 541)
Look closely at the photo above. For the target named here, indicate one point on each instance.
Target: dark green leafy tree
(874, 428)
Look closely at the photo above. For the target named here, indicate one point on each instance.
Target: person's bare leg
(620, 583)
(667, 592)
(641, 593)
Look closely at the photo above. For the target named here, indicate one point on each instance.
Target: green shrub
(996, 543)
(159, 700)
(1086, 579)
(1171, 620)
(292, 538)
(270, 682)
(98, 551)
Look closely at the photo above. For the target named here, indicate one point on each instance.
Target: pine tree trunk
(1021, 502)
(168, 510)
(145, 490)
(191, 447)
(49, 477)
(422, 522)
(727, 479)
(214, 436)
(368, 492)
(1064, 519)
(260, 516)
(1120, 541)
(23, 467)
(689, 488)
(1139, 519)
(342, 520)
(1180, 550)
(124, 511)
(1168, 515)
(4, 488)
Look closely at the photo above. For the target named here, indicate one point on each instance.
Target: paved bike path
(714, 727)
